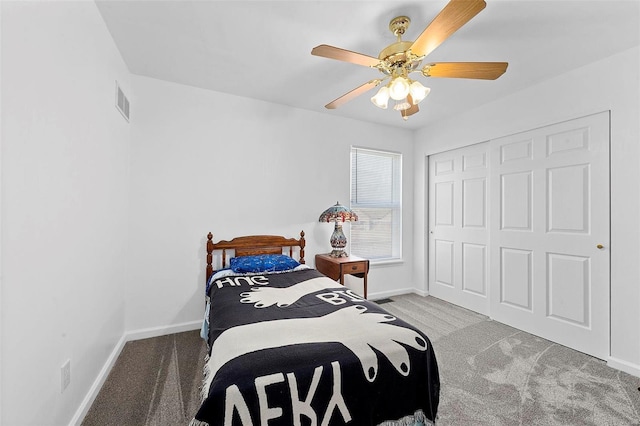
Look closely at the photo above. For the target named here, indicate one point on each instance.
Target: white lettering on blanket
(335, 299)
(237, 281)
(264, 297)
(234, 401)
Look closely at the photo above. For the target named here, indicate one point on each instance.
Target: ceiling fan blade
(454, 15)
(409, 111)
(339, 54)
(406, 113)
(477, 70)
(352, 94)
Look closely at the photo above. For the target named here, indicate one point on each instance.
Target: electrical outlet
(65, 375)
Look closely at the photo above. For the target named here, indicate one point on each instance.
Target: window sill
(387, 262)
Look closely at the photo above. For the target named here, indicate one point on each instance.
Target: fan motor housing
(395, 52)
(395, 55)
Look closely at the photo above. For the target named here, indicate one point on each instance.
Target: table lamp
(338, 214)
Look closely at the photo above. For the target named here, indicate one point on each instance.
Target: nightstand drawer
(354, 267)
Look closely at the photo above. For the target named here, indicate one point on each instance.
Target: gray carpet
(153, 382)
(491, 374)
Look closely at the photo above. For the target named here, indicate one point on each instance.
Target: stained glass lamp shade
(338, 214)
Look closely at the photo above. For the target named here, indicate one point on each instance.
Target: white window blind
(376, 198)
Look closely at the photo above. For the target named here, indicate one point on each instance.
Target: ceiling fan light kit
(398, 88)
(402, 58)
(406, 95)
(418, 92)
(381, 99)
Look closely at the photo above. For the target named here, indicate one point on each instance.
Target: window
(376, 199)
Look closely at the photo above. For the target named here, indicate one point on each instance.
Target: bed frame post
(302, 244)
(209, 255)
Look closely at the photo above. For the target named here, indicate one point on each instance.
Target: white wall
(611, 84)
(65, 154)
(205, 161)
(1, 298)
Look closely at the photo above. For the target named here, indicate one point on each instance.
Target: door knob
(600, 246)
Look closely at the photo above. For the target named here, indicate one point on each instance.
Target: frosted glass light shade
(399, 88)
(381, 98)
(402, 105)
(418, 92)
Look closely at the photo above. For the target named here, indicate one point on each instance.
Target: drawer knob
(353, 268)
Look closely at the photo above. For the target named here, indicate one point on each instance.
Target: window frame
(397, 226)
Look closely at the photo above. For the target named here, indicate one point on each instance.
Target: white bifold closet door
(544, 255)
(458, 227)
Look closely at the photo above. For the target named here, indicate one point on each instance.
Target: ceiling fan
(402, 58)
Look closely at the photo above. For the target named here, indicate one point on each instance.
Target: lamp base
(338, 253)
(338, 242)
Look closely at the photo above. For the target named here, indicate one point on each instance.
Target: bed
(289, 346)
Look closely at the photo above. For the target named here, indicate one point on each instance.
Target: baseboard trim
(147, 333)
(386, 294)
(422, 293)
(98, 382)
(626, 366)
(111, 360)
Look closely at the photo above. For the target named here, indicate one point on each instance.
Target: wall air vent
(122, 103)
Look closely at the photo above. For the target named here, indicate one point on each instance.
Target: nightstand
(337, 267)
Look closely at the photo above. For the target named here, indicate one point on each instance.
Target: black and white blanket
(297, 348)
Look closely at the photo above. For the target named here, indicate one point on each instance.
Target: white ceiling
(261, 49)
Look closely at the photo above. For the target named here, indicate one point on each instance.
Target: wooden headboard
(250, 245)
